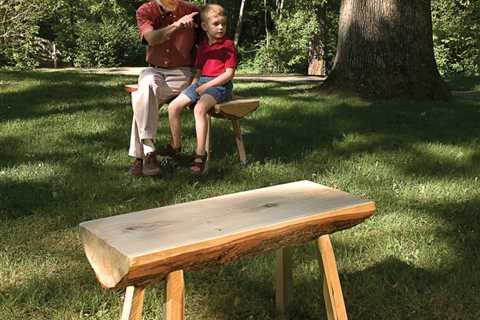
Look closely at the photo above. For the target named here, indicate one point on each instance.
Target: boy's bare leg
(202, 107)
(174, 119)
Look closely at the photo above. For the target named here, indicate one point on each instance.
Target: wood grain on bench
(142, 247)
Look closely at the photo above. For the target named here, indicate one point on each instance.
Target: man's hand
(159, 36)
(201, 88)
(186, 21)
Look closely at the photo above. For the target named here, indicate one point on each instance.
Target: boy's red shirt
(213, 59)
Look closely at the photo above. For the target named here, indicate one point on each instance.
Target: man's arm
(159, 36)
(218, 81)
(197, 76)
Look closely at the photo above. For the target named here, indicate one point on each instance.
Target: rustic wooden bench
(233, 110)
(133, 250)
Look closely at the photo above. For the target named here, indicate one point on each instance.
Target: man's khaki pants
(155, 87)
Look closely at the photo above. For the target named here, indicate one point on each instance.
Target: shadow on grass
(63, 299)
(299, 128)
(293, 126)
(17, 200)
(378, 292)
(39, 95)
(391, 289)
(306, 123)
(462, 83)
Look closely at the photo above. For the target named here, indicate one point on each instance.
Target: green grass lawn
(63, 160)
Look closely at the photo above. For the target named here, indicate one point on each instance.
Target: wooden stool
(232, 110)
(136, 249)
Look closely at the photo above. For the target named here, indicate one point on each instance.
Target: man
(168, 27)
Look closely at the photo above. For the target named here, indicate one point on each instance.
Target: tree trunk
(317, 65)
(238, 29)
(265, 17)
(385, 50)
(279, 5)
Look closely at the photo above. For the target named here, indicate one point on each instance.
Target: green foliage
(106, 36)
(103, 33)
(19, 31)
(22, 52)
(197, 2)
(110, 42)
(87, 33)
(287, 50)
(456, 28)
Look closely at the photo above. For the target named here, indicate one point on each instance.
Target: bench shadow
(382, 291)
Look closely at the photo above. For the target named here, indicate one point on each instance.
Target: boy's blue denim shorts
(220, 93)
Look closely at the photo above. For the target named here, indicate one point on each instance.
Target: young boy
(215, 63)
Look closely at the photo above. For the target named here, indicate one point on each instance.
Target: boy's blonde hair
(211, 10)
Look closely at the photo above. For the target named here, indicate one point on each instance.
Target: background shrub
(107, 43)
(287, 50)
(456, 29)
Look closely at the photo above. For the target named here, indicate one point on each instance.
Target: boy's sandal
(169, 151)
(199, 164)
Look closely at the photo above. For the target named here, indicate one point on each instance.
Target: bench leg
(239, 141)
(283, 281)
(175, 296)
(207, 140)
(332, 291)
(133, 303)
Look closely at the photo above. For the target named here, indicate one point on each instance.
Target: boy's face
(215, 27)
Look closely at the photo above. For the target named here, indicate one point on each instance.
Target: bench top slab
(151, 239)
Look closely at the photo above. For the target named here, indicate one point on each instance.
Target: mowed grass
(63, 160)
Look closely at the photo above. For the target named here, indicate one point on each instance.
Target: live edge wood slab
(139, 248)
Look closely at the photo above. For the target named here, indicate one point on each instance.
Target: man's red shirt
(214, 58)
(177, 51)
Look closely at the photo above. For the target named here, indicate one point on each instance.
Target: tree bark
(265, 17)
(317, 65)
(238, 29)
(279, 5)
(385, 50)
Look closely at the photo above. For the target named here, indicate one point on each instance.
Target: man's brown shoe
(136, 168)
(151, 166)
